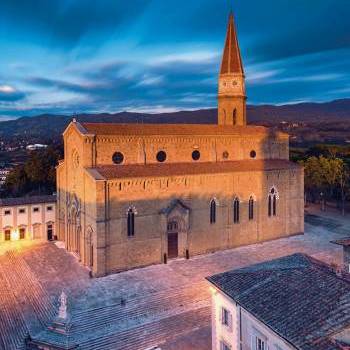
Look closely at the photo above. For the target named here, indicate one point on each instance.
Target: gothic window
(236, 211)
(234, 116)
(161, 156)
(76, 159)
(251, 208)
(272, 202)
(131, 222)
(213, 211)
(224, 114)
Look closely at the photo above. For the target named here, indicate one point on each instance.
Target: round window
(118, 158)
(161, 156)
(252, 154)
(196, 155)
(225, 155)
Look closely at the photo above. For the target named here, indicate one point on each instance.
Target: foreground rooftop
(300, 298)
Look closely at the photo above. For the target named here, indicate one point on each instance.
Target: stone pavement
(163, 305)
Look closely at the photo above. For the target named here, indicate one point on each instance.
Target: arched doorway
(49, 231)
(173, 239)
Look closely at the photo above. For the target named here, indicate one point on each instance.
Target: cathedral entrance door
(173, 240)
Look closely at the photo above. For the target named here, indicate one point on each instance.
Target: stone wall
(149, 244)
(143, 150)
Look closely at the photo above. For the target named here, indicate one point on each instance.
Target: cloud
(88, 56)
(10, 94)
(66, 22)
(194, 57)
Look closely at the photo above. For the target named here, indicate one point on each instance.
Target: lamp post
(322, 201)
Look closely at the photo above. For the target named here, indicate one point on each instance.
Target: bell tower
(232, 97)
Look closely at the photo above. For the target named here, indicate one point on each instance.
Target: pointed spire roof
(232, 60)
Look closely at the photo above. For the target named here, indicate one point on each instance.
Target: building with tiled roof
(27, 218)
(294, 302)
(131, 195)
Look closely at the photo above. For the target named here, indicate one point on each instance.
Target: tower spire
(232, 98)
(232, 60)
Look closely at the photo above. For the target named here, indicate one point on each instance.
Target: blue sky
(74, 56)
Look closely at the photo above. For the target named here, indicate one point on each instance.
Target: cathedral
(132, 195)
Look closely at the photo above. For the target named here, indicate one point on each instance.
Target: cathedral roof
(107, 129)
(232, 60)
(110, 172)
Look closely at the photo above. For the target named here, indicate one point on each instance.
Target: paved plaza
(163, 305)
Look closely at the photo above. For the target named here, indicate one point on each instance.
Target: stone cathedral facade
(131, 195)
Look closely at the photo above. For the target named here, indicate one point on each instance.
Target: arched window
(213, 211)
(131, 223)
(236, 211)
(272, 202)
(251, 208)
(224, 115)
(234, 116)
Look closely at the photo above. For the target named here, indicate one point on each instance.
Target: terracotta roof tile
(174, 129)
(232, 60)
(177, 169)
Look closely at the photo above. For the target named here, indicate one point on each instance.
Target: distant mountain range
(48, 127)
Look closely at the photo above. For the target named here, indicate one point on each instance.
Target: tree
(344, 176)
(36, 176)
(314, 182)
(326, 176)
(17, 182)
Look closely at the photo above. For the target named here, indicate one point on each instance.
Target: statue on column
(62, 311)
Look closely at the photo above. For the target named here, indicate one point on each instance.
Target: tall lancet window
(234, 116)
(131, 222)
(213, 211)
(251, 208)
(236, 211)
(272, 202)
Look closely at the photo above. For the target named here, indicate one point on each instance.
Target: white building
(295, 302)
(27, 218)
(35, 147)
(3, 175)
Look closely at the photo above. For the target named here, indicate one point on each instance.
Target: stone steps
(13, 328)
(152, 334)
(142, 310)
(36, 305)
